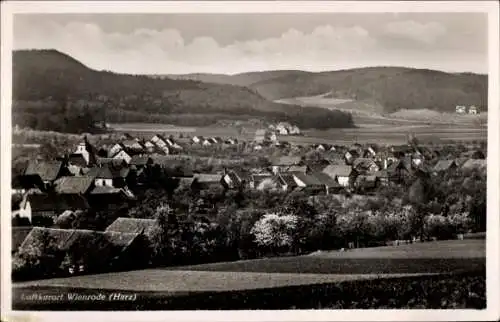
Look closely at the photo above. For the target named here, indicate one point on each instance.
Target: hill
(51, 88)
(393, 88)
(241, 79)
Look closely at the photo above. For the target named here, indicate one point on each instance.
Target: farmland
(252, 283)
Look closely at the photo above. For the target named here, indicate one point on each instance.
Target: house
(282, 130)
(268, 182)
(107, 197)
(258, 147)
(111, 162)
(400, 170)
(273, 137)
(365, 165)
(102, 176)
(382, 176)
(48, 171)
(159, 141)
(324, 147)
(74, 185)
(146, 227)
(204, 181)
(445, 166)
(473, 110)
(133, 145)
(87, 151)
(197, 139)
(231, 141)
(366, 183)
(460, 109)
(294, 130)
(77, 160)
(288, 181)
(344, 174)
(299, 168)
(474, 164)
(350, 156)
(417, 159)
(41, 209)
(122, 155)
(401, 151)
(308, 182)
(207, 142)
(233, 179)
(370, 152)
(18, 235)
(117, 147)
(475, 154)
(284, 162)
(23, 183)
(141, 161)
(330, 184)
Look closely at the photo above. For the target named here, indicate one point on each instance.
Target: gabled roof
(73, 185)
(105, 190)
(207, 177)
(59, 203)
(309, 180)
(77, 159)
(338, 170)
(363, 163)
(133, 225)
(110, 161)
(19, 234)
(286, 160)
(140, 160)
(298, 168)
(103, 172)
(47, 170)
(131, 143)
(326, 180)
(443, 165)
(287, 178)
(474, 164)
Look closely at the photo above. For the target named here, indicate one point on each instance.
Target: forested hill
(394, 88)
(51, 89)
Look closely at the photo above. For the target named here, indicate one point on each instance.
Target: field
(251, 283)
(365, 133)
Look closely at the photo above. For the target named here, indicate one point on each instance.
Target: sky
(235, 43)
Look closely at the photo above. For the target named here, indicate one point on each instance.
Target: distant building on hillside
(473, 110)
(460, 109)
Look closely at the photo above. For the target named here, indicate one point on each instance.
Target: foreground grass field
(458, 265)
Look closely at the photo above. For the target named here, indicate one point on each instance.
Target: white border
(493, 286)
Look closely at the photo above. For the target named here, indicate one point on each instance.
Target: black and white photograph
(223, 159)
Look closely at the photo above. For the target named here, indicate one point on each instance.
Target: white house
(197, 139)
(123, 156)
(460, 109)
(115, 149)
(294, 130)
(473, 110)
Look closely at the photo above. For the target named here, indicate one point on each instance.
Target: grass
(465, 290)
(325, 279)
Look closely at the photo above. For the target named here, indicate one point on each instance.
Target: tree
(275, 232)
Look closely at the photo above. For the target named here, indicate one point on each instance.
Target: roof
(18, 236)
(130, 143)
(59, 203)
(133, 225)
(207, 177)
(77, 159)
(287, 160)
(110, 161)
(326, 180)
(338, 170)
(47, 170)
(287, 178)
(106, 245)
(140, 160)
(101, 190)
(474, 164)
(443, 165)
(366, 181)
(363, 163)
(309, 180)
(73, 185)
(298, 168)
(103, 172)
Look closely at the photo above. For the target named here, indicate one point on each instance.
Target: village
(115, 178)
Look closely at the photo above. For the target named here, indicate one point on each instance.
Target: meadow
(319, 280)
